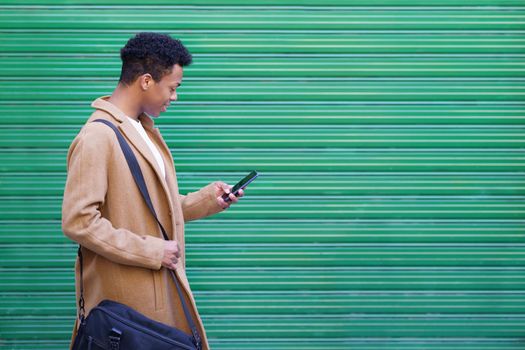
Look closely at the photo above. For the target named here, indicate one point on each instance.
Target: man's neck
(125, 100)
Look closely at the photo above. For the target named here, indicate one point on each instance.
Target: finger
(233, 198)
(220, 184)
(220, 187)
(226, 188)
(222, 203)
(240, 194)
(177, 249)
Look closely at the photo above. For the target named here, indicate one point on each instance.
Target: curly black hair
(152, 53)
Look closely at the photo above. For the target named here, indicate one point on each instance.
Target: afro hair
(152, 53)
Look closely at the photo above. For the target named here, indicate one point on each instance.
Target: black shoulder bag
(113, 326)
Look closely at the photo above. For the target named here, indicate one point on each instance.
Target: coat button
(170, 213)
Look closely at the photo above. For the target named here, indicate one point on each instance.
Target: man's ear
(145, 81)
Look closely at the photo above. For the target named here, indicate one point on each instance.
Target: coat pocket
(159, 289)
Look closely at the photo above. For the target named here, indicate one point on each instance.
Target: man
(125, 257)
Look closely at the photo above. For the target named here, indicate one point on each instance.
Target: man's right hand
(171, 254)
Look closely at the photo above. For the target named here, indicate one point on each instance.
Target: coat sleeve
(84, 194)
(199, 204)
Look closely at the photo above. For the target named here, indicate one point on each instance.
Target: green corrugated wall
(390, 136)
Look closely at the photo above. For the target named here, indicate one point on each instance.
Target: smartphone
(241, 185)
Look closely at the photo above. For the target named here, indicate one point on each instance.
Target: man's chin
(153, 115)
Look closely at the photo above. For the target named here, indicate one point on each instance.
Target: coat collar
(103, 104)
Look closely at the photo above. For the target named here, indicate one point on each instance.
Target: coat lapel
(137, 142)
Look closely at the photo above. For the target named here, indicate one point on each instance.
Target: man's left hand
(222, 188)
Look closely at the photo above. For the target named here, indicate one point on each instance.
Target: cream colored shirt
(138, 125)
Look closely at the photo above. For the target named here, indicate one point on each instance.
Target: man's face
(159, 95)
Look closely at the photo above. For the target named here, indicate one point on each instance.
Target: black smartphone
(241, 185)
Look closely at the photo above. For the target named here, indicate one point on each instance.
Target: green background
(390, 138)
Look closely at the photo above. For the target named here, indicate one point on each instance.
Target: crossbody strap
(139, 180)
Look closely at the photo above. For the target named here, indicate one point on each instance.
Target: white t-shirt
(138, 125)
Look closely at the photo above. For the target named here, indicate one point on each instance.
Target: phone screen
(244, 182)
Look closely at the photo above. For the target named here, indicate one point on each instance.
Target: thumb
(225, 187)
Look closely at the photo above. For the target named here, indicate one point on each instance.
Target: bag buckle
(114, 339)
(198, 342)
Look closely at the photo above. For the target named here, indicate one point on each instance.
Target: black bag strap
(139, 179)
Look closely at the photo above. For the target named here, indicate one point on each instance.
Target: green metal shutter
(389, 133)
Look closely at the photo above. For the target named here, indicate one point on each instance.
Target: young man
(125, 257)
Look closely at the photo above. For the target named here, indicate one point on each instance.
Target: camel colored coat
(105, 213)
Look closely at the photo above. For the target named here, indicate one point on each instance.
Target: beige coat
(104, 212)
